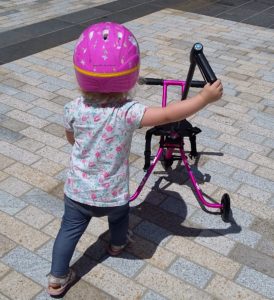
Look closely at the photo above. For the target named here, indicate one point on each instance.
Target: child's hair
(104, 97)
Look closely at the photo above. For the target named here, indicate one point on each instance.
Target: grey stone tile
(253, 259)
(56, 118)
(6, 245)
(231, 231)
(125, 264)
(190, 272)
(218, 167)
(45, 202)
(151, 295)
(236, 151)
(257, 281)
(218, 243)
(210, 142)
(269, 142)
(254, 180)
(62, 176)
(250, 136)
(28, 263)
(221, 180)
(178, 207)
(9, 135)
(46, 252)
(4, 108)
(50, 87)
(254, 193)
(43, 296)
(266, 246)
(153, 233)
(34, 74)
(27, 97)
(264, 227)
(40, 112)
(10, 204)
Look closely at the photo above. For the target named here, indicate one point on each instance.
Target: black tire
(225, 210)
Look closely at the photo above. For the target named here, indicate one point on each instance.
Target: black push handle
(150, 81)
(156, 81)
(197, 56)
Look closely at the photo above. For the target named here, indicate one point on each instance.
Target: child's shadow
(152, 225)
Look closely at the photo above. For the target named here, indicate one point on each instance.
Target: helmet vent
(105, 34)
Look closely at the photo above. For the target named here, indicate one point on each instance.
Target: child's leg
(74, 223)
(118, 221)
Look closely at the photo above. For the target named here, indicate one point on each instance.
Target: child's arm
(182, 109)
(70, 137)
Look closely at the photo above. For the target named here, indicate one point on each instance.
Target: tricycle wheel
(225, 210)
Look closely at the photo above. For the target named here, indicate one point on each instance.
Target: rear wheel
(225, 210)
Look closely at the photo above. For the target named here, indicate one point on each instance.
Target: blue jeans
(74, 223)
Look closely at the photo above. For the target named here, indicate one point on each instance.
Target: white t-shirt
(99, 166)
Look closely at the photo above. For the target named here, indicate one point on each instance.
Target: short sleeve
(134, 114)
(69, 116)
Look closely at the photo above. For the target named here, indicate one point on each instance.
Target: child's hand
(213, 92)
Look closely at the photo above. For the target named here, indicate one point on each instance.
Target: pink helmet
(106, 58)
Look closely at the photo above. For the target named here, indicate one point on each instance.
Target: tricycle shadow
(153, 228)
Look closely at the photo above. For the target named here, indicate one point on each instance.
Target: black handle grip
(198, 56)
(150, 81)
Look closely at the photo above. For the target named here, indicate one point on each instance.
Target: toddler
(100, 124)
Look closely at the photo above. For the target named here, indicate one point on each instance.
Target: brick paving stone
(243, 144)
(222, 288)
(126, 264)
(43, 137)
(82, 290)
(40, 112)
(150, 295)
(152, 232)
(47, 166)
(254, 180)
(29, 144)
(17, 286)
(257, 282)
(151, 253)
(34, 217)
(3, 269)
(265, 173)
(10, 204)
(168, 285)
(9, 135)
(5, 245)
(190, 272)
(3, 175)
(32, 176)
(253, 259)
(28, 237)
(55, 129)
(15, 126)
(267, 247)
(203, 256)
(44, 201)
(218, 243)
(46, 104)
(113, 283)
(54, 155)
(28, 264)
(15, 186)
(254, 193)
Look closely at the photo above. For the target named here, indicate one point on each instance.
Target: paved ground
(180, 251)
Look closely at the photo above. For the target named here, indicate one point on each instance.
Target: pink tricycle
(172, 135)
